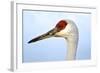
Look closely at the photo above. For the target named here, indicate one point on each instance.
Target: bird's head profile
(63, 28)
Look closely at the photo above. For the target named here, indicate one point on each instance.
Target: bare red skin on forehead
(61, 25)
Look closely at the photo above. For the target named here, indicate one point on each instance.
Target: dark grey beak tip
(29, 42)
(34, 40)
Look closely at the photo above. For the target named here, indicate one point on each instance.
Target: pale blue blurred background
(53, 49)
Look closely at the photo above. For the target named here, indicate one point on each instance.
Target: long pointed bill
(44, 36)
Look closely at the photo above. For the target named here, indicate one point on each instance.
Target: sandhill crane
(66, 29)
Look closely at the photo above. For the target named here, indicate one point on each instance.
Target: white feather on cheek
(65, 32)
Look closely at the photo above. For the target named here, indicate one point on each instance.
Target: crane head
(60, 30)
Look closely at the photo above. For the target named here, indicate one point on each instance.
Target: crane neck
(72, 48)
